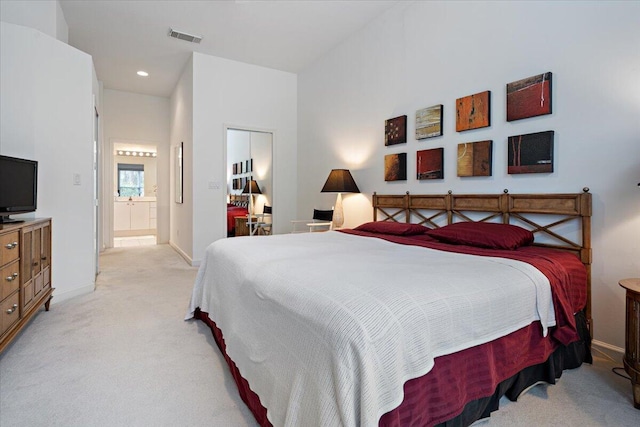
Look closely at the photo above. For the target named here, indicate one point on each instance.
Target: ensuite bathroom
(135, 190)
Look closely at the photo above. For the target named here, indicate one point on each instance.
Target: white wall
(181, 131)
(47, 112)
(425, 53)
(142, 120)
(245, 96)
(42, 15)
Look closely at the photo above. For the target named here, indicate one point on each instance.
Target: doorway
(249, 181)
(135, 190)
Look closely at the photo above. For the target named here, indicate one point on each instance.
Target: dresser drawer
(9, 279)
(9, 247)
(9, 313)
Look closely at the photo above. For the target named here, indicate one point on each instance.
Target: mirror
(178, 172)
(249, 157)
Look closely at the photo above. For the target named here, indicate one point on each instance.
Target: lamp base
(338, 214)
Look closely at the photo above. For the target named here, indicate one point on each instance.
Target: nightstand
(632, 337)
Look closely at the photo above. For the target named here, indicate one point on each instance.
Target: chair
(321, 221)
(263, 227)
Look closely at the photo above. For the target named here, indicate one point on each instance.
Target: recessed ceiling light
(143, 73)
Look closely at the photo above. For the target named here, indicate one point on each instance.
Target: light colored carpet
(123, 356)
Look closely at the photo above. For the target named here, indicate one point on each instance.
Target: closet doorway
(135, 190)
(249, 181)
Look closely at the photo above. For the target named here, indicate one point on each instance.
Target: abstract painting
(429, 164)
(529, 97)
(531, 153)
(395, 167)
(474, 158)
(473, 111)
(395, 131)
(429, 122)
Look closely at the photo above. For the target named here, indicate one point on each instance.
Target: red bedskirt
(455, 381)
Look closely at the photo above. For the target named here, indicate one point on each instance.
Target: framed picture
(395, 130)
(529, 97)
(473, 111)
(429, 122)
(475, 158)
(531, 153)
(429, 164)
(178, 169)
(395, 167)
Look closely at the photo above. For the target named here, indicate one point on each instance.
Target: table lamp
(339, 181)
(251, 188)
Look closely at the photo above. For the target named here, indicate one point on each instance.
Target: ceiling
(126, 36)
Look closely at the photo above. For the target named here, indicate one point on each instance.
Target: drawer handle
(43, 258)
(12, 277)
(11, 245)
(12, 309)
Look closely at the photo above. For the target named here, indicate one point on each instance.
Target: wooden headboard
(239, 199)
(551, 217)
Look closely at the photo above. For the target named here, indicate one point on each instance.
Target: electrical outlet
(76, 179)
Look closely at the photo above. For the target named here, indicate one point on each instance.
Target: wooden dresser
(25, 274)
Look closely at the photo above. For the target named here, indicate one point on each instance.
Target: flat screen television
(18, 187)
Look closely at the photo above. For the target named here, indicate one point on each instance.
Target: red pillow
(483, 235)
(423, 238)
(393, 228)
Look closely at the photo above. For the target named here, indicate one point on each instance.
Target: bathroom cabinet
(134, 217)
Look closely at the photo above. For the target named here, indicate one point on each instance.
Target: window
(130, 180)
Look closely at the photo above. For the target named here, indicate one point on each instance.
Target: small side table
(242, 225)
(632, 337)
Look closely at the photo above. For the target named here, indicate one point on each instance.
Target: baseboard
(63, 296)
(183, 254)
(612, 352)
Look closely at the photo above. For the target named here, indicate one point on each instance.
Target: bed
(339, 328)
(236, 207)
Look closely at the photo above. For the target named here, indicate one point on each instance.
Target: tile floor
(127, 242)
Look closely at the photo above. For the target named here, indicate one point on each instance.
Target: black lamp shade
(251, 187)
(340, 181)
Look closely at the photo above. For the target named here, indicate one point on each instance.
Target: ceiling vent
(184, 36)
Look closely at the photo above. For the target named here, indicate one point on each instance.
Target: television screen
(18, 186)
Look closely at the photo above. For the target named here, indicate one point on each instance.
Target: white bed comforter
(327, 327)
